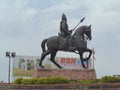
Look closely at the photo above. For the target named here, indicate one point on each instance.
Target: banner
(26, 65)
(72, 63)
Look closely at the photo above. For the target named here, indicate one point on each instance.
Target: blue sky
(25, 23)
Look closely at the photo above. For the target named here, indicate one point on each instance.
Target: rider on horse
(66, 40)
(65, 34)
(64, 27)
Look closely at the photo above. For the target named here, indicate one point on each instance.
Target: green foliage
(50, 80)
(64, 80)
(86, 81)
(110, 79)
(58, 80)
(26, 81)
(17, 81)
(41, 81)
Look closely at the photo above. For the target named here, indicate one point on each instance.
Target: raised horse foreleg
(43, 55)
(52, 58)
(90, 53)
(87, 58)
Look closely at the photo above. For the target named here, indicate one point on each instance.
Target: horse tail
(43, 45)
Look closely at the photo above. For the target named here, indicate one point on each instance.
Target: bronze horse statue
(77, 40)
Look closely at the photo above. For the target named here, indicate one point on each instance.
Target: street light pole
(9, 72)
(10, 55)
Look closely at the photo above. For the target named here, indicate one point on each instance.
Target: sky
(25, 23)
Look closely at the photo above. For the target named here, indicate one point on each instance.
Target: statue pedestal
(73, 74)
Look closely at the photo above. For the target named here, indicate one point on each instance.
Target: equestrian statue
(66, 41)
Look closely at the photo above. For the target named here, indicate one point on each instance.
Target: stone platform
(73, 74)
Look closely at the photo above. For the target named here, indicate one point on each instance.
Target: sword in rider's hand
(78, 23)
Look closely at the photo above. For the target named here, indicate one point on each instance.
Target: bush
(17, 81)
(58, 80)
(25, 81)
(64, 80)
(110, 79)
(50, 80)
(42, 81)
(34, 80)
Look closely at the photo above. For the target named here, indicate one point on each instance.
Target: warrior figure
(64, 27)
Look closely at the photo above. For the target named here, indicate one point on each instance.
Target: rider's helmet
(64, 17)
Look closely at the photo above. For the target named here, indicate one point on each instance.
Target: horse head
(87, 31)
(84, 30)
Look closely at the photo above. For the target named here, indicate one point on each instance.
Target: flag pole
(93, 54)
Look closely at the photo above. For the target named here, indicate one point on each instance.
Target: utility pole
(10, 55)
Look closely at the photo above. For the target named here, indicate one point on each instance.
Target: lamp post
(10, 55)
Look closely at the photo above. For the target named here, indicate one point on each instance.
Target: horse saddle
(66, 43)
